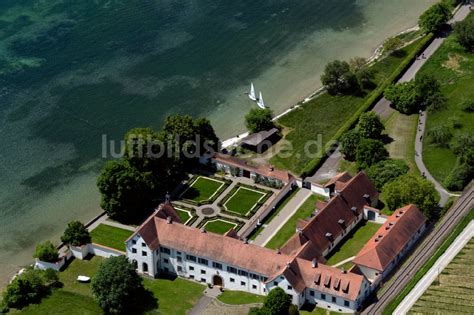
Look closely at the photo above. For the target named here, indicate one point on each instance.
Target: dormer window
(340, 221)
(328, 235)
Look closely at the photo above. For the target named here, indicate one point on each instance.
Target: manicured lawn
(454, 68)
(402, 129)
(353, 244)
(324, 115)
(272, 214)
(243, 200)
(183, 215)
(110, 236)
(202, 189)
(219, 226)
(289, 228)
(239, 298)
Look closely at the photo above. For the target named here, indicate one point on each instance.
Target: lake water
(71, 71)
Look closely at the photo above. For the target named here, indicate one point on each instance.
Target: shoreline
(377, 53)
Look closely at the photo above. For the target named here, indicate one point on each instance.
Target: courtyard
(203, 189)
(244, 200)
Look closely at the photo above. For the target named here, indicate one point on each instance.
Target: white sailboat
(260, 102)
(252, 95)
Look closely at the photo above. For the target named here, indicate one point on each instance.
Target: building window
(191, 257)
(166, 261)
(180, 269)
(254, 276)
(191, 268)
(333, 299)
(144, 253)
(275, 283)
(232, 280)
(290, 287)
(134, 250)
(165, 250)
(217, 265)
(191, 277)
(311, 293)
(346, 303)
(178, 253)
(323, 296)
(143, 244)
(242, 283)
(231, 269)
(243, 273)
(179, 259)
(134, 242)
(203, 272)
(145, 267)
(203, 261)
(203, 280)
(254, 286)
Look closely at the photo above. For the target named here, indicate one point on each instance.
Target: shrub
(464, 31)
(357, 63)
(392, 44)
(404, 97)
(27, 288)
(259, 119)
(370, 126)
(339, 79)
(459, 177)
(440, 135)
(386, 171)
(46, 252)
(429, 93)
(468, 106)
(369, 152)
(434, 18)
(76, 234)
(277, 302)
(349, 143)
(293, 310)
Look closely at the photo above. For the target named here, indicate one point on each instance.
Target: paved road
(282, 217)
(328, 169)
(424, 251)
(438, 266)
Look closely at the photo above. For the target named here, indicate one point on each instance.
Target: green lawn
(454, 68)
(402, 129)
(219, 226)
(325, 114)
(243, 200)
(110, 236)
(175, 296)
(273, 214)
(289, 228)
(239, 298)
(183, 215)
(353, 243)
(203, 189)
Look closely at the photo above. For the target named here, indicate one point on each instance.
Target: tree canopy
(369, 152)
(258, 119)
(370, 126)
(338, 78)
(117, 286)
(404, 97)
(386, 171)
(464, 31)
(429, 93)
(46, 252)
(76, 234)
(435, 17)
(409, 188)
(392, 44)
(349, 143)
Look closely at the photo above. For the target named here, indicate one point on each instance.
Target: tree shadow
(386, 139)
(145, 303)
(190, 192)
(400, 53)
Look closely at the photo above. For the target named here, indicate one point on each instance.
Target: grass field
(175, 296)
(219, 226)
(453, 291)
(110, 236)
(203, 189)
(243, 200)
(324, 115)
(402, 129)
(239, 298)
(454, 68)
(289, 228)
(183, 215)
(353, 243)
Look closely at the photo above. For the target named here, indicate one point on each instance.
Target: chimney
(167, 198)
(343, 271)
(367, 198)
(203, 230)
(246, 241)
(169, 220)
(278, 251)
(314, 263)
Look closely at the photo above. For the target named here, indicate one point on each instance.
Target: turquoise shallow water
(71, 71)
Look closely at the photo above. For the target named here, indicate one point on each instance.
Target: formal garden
(244, 200)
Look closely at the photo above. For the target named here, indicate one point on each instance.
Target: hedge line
(427, 266)
(375, 96)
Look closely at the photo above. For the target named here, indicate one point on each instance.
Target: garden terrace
(203, 190)
(244, 200)
(187, 215)
(220, 225)
(110, 236)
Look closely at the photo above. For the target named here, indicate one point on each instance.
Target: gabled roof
(256, 138)
(355, 189)
(341, 178)
(390, 238)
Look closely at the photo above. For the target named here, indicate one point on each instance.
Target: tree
(392, 44)
(440, 135)
(459, 177)
(126, 194)
(412, 189)
(349, 143)
(357, 63)
(404, 97)
(277, 302)
(27, 288)
(293, 310)
(463, 144)
(259, 120)
(117, 286)
(464, 31)
(386, 171)
(46, 252)
(339, 79)
(76, 234)
(370, 126)
(369, 152)
(434, 18)
(429, 93)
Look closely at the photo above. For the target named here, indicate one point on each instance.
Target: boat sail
(260, 102)
(252, 95)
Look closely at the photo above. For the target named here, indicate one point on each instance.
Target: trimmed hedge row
(375, 96)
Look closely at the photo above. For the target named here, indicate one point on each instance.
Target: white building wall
(139, 253)
(320, 190)
(282, 282)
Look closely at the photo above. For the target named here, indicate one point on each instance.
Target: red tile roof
(264, 170)
(341, 177)
(391, 238)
